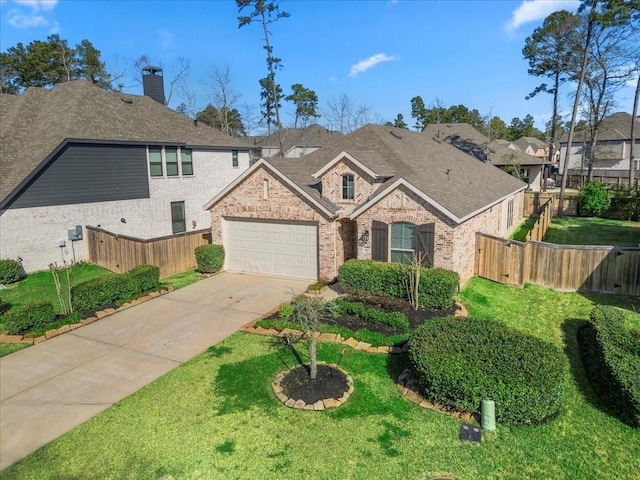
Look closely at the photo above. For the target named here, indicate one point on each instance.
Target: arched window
(347, 187)
(403, 242)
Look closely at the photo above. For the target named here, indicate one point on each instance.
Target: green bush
(437, 286)
(210, 258)
(594, 199)
(146, 278)
(4, 306)
(30, 316)
(461, 361)
(108, 290)
(10, 271)
(286, 310)
(611, 357)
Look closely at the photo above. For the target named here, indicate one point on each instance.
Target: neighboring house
(378, 193)
(499, 153)
(77, 155)
(531, 146)
(297, 142)
(612, 151)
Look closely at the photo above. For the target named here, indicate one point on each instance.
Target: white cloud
(37, 5)
(18, 20)
(532, 10)
(365, 65)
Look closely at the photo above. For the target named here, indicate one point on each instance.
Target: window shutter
(425, 243)
(379, 241)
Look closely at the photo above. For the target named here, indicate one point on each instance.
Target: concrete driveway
(48, 389)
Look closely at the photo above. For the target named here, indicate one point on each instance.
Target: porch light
(364, 238)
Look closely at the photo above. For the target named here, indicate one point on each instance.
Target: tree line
(597, 48)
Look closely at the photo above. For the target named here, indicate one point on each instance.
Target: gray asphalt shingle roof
(614, 127)
(36, 122)
(312, 136)
(466, 138)
(455, 180)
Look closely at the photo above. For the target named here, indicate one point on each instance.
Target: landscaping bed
(374, 333)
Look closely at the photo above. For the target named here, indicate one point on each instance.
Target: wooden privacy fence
(120, 253)
(533, 202)
(562, 267)
(542, 223)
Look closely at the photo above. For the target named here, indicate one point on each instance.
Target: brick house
(78, 155)
(378, 193)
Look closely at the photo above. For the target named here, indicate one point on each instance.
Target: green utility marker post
(488, 414)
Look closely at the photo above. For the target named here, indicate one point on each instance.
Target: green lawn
(39, 286)
(593, 231)
(217, 417)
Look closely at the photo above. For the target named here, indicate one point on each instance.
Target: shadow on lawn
(571, 333)
(627, 302)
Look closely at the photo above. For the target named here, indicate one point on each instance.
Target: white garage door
(272, 247)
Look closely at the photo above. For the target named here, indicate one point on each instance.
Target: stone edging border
(4, 338)
(406, 385)
(334, 337)
(323, 404)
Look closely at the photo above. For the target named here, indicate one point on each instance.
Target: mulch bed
(330, 382)
(387, 305)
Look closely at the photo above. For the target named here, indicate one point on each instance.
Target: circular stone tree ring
(331, 388)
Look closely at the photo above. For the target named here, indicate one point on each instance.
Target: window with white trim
(155, 162)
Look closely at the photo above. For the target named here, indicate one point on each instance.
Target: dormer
(351, 177)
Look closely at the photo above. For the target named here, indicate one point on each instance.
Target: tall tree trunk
(554, 125)
(274, 88)
(576, 104)
(632, 149)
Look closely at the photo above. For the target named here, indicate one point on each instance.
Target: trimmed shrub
(611, 357)
(437, 286)
(461, 361)
(31, 316)
(108, 290)
(145, 278)
(10, 271)
(594, 199)
(210, 258)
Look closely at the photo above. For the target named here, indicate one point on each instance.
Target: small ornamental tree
(310, 312)
(595, 199)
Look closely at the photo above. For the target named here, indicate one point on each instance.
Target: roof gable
(37, 122)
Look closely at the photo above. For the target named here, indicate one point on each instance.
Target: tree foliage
(266, 12)
(47, 63)
(229, 122)
(270, 102)
(305, 102)
(345, 116)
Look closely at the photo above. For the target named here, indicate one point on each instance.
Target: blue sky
(380, 53)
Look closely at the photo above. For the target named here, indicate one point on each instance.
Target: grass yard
(217, 417)
(593, 231)
(39, 286)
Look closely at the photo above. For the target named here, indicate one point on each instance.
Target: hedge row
(437, 286)
(373, 315)
(210, 258)
(103, 291)
(32, 316)
(611, 357)
(461, 361)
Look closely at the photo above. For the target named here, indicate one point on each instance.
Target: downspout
(335, 249)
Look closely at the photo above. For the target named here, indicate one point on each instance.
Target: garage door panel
(271, 247)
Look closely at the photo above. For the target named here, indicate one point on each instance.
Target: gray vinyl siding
(89, 173)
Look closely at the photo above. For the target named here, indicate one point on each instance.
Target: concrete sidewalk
(48, 389)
